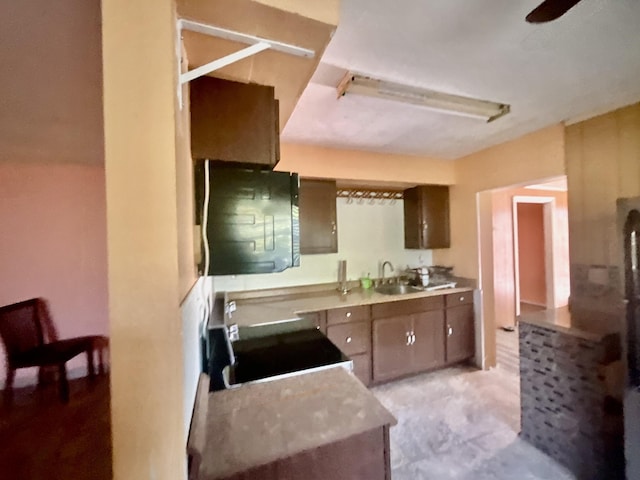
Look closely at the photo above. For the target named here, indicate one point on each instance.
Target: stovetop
(260, 359)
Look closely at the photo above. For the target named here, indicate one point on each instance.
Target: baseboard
(31, 379)
(535, 304)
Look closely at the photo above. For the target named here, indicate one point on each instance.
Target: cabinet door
(460, 333)
(233, 121)
(318, 221)
(428, 344)
(391, 347)
(426, 217)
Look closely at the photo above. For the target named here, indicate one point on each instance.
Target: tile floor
(462, 423)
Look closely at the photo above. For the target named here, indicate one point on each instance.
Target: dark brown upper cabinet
(318, 222)
(426, 217)
(235, 122)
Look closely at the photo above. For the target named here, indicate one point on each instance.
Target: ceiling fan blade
(550, 10)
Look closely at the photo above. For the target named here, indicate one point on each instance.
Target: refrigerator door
(631, 249)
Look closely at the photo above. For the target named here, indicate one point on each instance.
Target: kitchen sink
(397, 289)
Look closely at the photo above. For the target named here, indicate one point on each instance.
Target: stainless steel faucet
(384, 265)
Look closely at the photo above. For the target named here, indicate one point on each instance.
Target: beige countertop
(561, 320)
(259, 423)
(258, 311)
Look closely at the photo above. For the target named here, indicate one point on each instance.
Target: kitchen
(535, 156)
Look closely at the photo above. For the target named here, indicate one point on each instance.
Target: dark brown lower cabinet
(354, 340)
(360, 457)
(460, 333)
(428, 340)
(391, 354)
(407, 344)
(362, 367)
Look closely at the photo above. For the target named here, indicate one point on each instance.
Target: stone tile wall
(565, 409)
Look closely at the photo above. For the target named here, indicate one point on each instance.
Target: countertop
(561, 320)
(252, 312)
(259, 423)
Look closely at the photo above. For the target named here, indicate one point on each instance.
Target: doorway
(502, 289)
(533, 237)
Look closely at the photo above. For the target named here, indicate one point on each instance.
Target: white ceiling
(583, 64)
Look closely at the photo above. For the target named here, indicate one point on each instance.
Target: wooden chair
(30, 340)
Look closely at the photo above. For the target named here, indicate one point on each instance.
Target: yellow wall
(603, 164)
(142, 239)
(321, 162)
(326, 11)
(533, 157)
(184, 191)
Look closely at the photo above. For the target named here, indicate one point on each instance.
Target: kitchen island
(322, 425)
(571, 378)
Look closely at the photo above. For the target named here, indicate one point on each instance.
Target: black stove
(284, 354)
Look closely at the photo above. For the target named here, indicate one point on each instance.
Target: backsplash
(596, 290)
(368, 234)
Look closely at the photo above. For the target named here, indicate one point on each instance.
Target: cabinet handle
(334, 228)
(408, 338)
(348, 314)
(413, 338)
(348, 340)
(462, 299)
(449, 330)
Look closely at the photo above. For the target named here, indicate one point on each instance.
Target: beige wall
(368, 235)
(142, 239)
(533, 157)
(321, 162)
(603, 164)
(184, 192)
(326, 11)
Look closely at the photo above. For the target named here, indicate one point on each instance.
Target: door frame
(549, 206)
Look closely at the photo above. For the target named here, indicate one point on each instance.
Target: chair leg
(8, 384)
(90, 365)
(41, 377)
(64, 383)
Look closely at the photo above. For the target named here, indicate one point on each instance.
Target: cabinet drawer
(462, 298)
(362, 367)
(316, 319)
(347, 314)
(352, 338)
(407, 307)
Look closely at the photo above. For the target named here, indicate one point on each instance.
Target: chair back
(21, 327)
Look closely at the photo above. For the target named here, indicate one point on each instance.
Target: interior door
(391, 347)
(427, 349)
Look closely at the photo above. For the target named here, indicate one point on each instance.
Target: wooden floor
(42, 438)
(507, 349)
